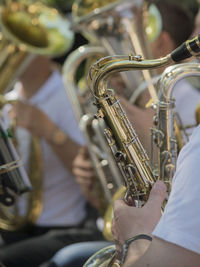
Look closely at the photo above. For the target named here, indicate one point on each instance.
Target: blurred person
(43, 110)
(170, 37)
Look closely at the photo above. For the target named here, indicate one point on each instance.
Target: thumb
(157, 196)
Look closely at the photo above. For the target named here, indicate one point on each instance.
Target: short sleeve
(180, 222)
(53, 100)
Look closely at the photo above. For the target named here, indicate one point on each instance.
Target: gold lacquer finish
(123, 140)
(27, 30)
(118, 26)
(120, 193)
(166, 134)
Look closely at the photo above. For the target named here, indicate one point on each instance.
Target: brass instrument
(122, 139)
(27, 29)
(117, 26)
(13, 179)
(120, 26)
(109, 177)
(165, 135)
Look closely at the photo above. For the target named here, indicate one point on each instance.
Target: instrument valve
(120, 156)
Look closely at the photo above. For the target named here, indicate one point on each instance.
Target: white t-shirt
(63, 203)
(186, 99)
(180, 222)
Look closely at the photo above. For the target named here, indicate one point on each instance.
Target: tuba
(27, 29)
(123, 140)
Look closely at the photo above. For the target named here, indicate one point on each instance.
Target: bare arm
(130, 221)
(39, 124)
(160, 253)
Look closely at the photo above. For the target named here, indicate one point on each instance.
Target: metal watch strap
(129, 241)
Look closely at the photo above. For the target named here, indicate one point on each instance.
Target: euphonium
(27, 30)
(122, 139)
(120, 26)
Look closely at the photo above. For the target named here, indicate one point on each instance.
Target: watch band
(129, 241)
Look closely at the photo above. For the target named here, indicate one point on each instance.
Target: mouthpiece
(187, 49)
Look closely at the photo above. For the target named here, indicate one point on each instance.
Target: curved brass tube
(122, 139)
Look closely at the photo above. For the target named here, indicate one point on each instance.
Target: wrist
(136, 246)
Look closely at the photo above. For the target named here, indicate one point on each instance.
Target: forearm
(64, 147)
(161, 253)
(135, 252)
(39, 124)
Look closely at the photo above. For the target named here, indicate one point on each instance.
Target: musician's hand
(82, 169)
(32, 119)
(85, 176)
(129, 221)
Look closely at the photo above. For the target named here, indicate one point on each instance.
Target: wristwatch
(58, 137)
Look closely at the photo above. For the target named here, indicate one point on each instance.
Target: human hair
(177, 20)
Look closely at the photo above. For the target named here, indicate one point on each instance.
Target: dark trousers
(42, 244)
(77, 254)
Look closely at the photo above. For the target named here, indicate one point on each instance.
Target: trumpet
(122, 139)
